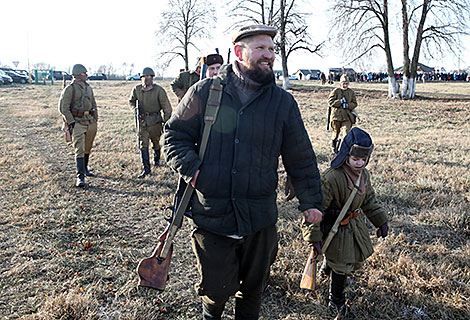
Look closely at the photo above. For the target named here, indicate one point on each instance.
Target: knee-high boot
(156, 157)
(146, 163)
(337, 302)
(80, 172)
(87, 173)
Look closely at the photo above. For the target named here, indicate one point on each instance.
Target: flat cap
(252, 30)
(213, 58)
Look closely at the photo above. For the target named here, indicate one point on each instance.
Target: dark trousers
(230, 267)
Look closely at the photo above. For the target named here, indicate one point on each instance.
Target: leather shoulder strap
(212, 108)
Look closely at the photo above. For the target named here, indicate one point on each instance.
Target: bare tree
(293, 36)
(437, 26)
(43, 66)
(286, 17)
(181, 25)
(252, 11)
(361, 27)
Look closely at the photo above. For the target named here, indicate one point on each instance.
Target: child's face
(356, 162)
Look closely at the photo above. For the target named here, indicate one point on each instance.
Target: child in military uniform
(351, 245)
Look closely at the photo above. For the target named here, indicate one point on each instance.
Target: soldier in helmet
(213, 62)
(152, 101)
(351, 245)
(78, 106)
(185, 80)
(343, 101)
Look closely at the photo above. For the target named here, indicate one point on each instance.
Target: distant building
(421, 68)
(337, 72)
(308, 74)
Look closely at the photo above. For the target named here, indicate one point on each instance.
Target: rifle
(137, 123)
(309, 276)
(203, 69)
(65, 126)
(328, 121)
(228, 56)
(153, 271)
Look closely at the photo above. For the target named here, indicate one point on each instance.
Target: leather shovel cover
(152, 271)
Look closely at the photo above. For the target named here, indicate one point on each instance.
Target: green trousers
(234, 267)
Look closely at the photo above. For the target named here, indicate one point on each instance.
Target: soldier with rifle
(342, 103)
(342, 236)
(185, 80)
(78, 107)
(152, 109)
(234, 203)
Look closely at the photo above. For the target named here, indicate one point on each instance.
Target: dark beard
(260, 75)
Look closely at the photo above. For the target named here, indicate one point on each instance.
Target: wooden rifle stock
(153, 271)
(65, 127)
(309, 275)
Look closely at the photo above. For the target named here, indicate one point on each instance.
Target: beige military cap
(252, 30)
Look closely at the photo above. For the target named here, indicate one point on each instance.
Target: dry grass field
(68, 253)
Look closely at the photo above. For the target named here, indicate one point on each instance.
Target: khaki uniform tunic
(351, 245)
(85, 128)
(342, 118)
(183, 82)
(152, 103)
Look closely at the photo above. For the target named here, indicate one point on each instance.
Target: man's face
(213, 69)
(147, 80)
(344, 85)
(81, 77)
(198, 70)
(257, 56)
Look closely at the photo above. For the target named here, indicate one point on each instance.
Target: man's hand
(193, 180)
(317, 247)
(343, 100)
(345, 105)
(289, 190)
(313, 215)
(71, 126)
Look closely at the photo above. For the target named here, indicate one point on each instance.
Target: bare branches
(181, 25)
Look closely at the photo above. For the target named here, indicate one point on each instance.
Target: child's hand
(313, 215)
(382, 231)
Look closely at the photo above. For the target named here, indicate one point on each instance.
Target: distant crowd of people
(422, 76)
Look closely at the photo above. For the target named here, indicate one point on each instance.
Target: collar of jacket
(226, 72)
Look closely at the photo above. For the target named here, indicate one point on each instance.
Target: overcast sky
(100, 32)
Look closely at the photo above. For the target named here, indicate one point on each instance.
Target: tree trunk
(393, 86)
(408, 86)
(282, 34)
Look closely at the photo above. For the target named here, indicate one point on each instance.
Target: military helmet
(78, 69)
(344, 78)
(357, 143)
(147, 72)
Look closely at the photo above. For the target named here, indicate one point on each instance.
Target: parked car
(5, 77)
(60, 75)
(25, 73)
(134, 77)
(98, 76)
(291, 77)
(18, 78)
